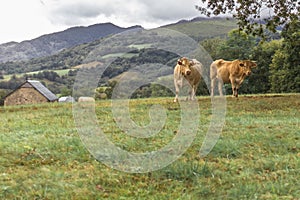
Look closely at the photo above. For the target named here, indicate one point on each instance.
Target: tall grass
(256, 157)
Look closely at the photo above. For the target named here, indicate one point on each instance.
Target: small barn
(30, 92)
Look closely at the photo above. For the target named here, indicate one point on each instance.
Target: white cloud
(143, 12)
(170, 10)
(28, 19)
(23, 20)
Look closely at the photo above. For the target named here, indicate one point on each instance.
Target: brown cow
(189, 70)
(233, 72)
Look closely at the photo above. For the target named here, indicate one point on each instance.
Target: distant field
(128, 54)
(206, 29)
(256, 157)
(60, 72)
(140, 46)
(115, 55)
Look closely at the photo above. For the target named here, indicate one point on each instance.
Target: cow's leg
(234, 90)
(234, 86)
(212, 86)
(194, 91)
(213, 78)
(192, 98)
(237, 91)
(176, 92)
(189, 97)
(220, 87)
(178, 84)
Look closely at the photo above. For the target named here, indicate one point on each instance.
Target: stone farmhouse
(30, 92)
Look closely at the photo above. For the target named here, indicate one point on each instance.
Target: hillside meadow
(59, 72)
(256, 157)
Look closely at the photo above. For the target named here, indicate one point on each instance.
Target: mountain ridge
(53, 43)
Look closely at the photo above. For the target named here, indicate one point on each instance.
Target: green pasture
(211, 28)
(140, 46)
(115, 55)
(60, 72)
(256, 157)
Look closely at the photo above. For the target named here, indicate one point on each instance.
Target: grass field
(60, 72)
(209, 28)
(256, 157)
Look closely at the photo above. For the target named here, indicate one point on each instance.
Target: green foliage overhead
(252, 14)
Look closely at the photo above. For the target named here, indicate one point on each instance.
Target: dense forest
(277, 56)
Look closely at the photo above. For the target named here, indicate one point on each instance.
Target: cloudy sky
(27, 19)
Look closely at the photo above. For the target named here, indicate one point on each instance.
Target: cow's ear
(191, 63)
(179, 62)
(253, 64)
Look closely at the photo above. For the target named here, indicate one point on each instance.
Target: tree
(3, 93)
(285, 67)
(238, 45)
(263, 53)
(65, 92)
(252, 14)
(277, 72)
(211, 45)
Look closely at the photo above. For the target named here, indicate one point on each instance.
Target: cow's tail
(219, 63)
(213, 70)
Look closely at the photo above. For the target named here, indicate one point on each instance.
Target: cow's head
(246, 66)
(185, 66)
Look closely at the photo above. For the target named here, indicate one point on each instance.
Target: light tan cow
(233, 72)
(189, 70)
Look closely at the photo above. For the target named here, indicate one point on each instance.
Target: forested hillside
(277, 58)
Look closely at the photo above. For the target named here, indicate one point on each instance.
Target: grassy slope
(257, 155)
(60, 72)
(206, 28)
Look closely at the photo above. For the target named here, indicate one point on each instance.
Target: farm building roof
(42, 89)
